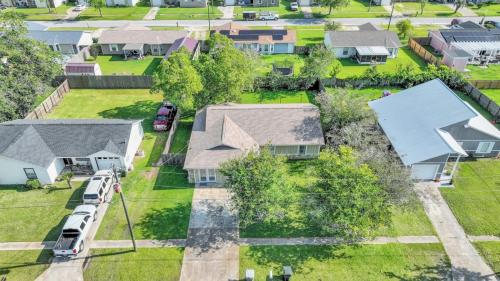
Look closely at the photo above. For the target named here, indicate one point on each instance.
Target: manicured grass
(430, 10)
(114, 13)
(364, 262)
(267, 62)
(43, 13)
(493, 94)
(36, 215)
(355, 9)
(351, 68)
(475, 198)
(421, 30)
(308, 35)
(166, 28)
(490, 72)
(39, 99)
(278, 97)
(145, 264)
(283, 10)
(23, 265)
(370, 93)
(187, 13)
(117, 65)
(159, 199)
(486, 9)
(72, 28)
(490, 251)
(409, 221)
(477, 107)
(182, 135)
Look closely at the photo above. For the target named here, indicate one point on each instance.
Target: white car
(98, 187)
(79, 7)
(294, 6)
(268, 16)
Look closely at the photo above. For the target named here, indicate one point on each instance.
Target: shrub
(33, 184)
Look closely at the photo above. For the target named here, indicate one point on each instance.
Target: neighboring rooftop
(470, 35)
(413, 120)
(140, 36)
(189, 43)
(61, 37)
(241, 34)
(365, 37)
(368, 27)
(40, 141)
(221, 132)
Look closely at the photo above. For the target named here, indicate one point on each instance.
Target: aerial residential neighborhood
(255, 140)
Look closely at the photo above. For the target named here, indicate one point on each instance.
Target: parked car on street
(2, 6)
(98, 188)
(75, 231)
(79, 7)
(294, 6)
(492, 24)
(268, 16)
(165, 117)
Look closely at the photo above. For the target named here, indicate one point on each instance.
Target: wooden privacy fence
(50, 102)
(485, 84)
(488, 104)
(110, 82)
(171, 158)
(417, 45)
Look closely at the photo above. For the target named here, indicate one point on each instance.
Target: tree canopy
(334, 4)
(318, 64)
(405, 28)
(178, 80)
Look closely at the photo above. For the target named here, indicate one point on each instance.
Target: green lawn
(491, 72)
(114, 13)
(351, 68)
(493, 94)
(370, 93)
(145, 264)
(182, 135)
(187, 13)
(267, 62)
(430, 10)
(421, 30)
(72, 28)
(477, 107)
(490, 251)
(308, 35)
(117, 65)
(283, 10)
(278, 97)
(475, 198)
(36, 215)
(363, 263)
(43, 13)
(159, 199)
(23, 265)
(355, 9)
(486, 9)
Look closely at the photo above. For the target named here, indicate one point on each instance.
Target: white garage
(104, 163)
(424, 171)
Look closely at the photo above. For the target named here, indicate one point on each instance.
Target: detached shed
(74, 68)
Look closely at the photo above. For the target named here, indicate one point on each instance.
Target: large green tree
(27, 68)
(334, 4)
(178, 80)
(318, 64)
(98, 4)
(258, 186)
(346, 200)
(225, 71)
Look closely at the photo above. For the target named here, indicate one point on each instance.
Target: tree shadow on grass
(171, 177)
(44, 257)
(152, 66)
(166, 223)
(140, 110)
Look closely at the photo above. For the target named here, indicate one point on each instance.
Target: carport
(133, 50)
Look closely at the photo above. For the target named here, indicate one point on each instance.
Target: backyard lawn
(493, 94)
(475, 200)
(114, 13)
(278, 97)
(363, 263)
(117, 65)
(283, 10)
(159, 199)
(490, 251)
(124, 264)
(490, 72)
(356, 9)
(430, 10)
(187, 13)
(486, 9)
(43, 13)
(182, 135)
(405, 56)
(36, 215)
(23, 265)
(267, 62)
(370, 93)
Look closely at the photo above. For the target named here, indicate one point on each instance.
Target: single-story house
(112, 3)
(42, 149)
(32, 3)
(254, 3)
(82, 68)
(189, 44)
(466, 43)
(138, 42)
(223, 132)
(429, 124)
(65, 42)
(263, 41)
(180, 3)
(382, 2)
(367, 46)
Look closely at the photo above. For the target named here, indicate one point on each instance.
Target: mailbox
(249, 275)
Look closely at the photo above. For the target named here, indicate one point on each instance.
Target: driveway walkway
(212, 251)
(466, 12)
(151, 15)
(466, 263)
(227, 12)
(307, 11)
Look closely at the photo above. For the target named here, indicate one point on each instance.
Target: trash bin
(249, 15)
(287, 273)
(249, 275)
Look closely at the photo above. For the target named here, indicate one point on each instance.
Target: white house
(42, 149)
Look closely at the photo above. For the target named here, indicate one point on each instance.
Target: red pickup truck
(165, 117)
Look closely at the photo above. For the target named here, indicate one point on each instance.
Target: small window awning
(372, 51)
(133, 47)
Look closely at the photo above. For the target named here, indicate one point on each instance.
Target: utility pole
(392, 12)
(208, 10)
(118, 189)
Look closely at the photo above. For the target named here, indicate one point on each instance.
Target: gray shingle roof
(470, 35)
(61, 37)
(40, 141)
(142, 36)
(364, 38)
(221, 132)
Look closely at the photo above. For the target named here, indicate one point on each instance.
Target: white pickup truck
(75, 230)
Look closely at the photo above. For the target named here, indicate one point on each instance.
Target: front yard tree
(422, 6)
(258, 186)
(347, 200)
(333, 25)
(98, 4)
(334, 4)
(67, 177)
(27, 68)
(405, 28)
(459, 4)
(178, 80)
(225, 71)
(317, 65)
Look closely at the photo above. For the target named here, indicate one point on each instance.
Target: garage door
(280, 48)
(424, 172)
(104, 163)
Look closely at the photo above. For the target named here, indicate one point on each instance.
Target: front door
(68, 161)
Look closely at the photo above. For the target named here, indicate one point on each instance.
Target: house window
(272, 2)
(113, 48)
(30, 173)
(259, 2)
(302, 149)
(345, 51)
(211, 174)
(485, 147)
(203, 175)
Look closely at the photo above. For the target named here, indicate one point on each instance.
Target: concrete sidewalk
(466, 263)
(151, 15)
